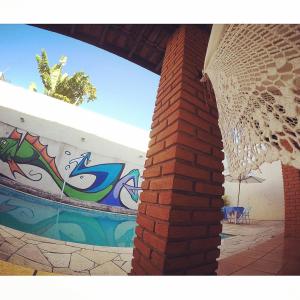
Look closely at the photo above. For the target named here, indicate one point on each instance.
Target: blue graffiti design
(106, 174)
(113, 198)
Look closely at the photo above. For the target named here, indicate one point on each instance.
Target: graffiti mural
(22, 148)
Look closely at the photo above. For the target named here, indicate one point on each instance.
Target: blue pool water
(54, 220)
(64, 222)
(226, 235)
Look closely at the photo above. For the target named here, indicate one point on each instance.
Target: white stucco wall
(266, 199)
(66, 128)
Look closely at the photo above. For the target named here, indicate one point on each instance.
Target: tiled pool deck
(247, 236)
(277, 256)
(48, 255)
(255, 249)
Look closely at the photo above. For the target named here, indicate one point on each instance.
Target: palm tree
(72, 89)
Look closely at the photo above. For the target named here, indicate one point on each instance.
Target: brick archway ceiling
(143, 44)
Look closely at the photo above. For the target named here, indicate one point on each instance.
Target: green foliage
(72, 89)
(226, 200)
(32, 87)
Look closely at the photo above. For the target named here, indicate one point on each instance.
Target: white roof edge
(50, 109)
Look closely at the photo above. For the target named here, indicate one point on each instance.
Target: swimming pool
(59, 221)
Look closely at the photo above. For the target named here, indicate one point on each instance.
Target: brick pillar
(179, 215)
(291, 183)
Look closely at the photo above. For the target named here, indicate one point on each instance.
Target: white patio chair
(245, 216)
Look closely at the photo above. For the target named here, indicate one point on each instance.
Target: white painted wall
(266, 199)
(64, 127)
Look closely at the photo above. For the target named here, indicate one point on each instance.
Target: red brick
(186, 127)
(207, 217)
(208, 269)
(137, 254)
(207, 117)
(218, 177)
(153, 171)
(145, 222)
(180, 216)
(165, 197)
(170, 98)
(184, 154)
(173, 166)
(185, 122)
(148, 267)
(148, 196)
(152, 142)
(196, 259)
(176, 263)
(216, 203)
(142, 208)
(218, 153)
(215, 230)
(210, 139)
(182, 184)
(291, 180)
(171, 110)
(158, 260)
(205, 244)
(212, 255)
(189, 141)
(145, 184)
(209, 189)
(139, 231)
(143, 249)
(195, 120)
(173, 152)
(148, 162)
(195, 100)
(187, 106)
(137, 269)
(162, 229)
(165, 104)
(165, 155)
(161, 126)
(168, 131)
(154, 241)
(179, 200)
(177, 248)
(162, 183)
(187, 231)
(160, 212)
(210, 162)
(184, 262)
(217, 132)
(155, 149)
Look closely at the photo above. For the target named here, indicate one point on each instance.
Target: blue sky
(125, 91)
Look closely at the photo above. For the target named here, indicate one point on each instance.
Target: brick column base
(179, 215)
(291, 182)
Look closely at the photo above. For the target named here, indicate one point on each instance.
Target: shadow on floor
(277, 256)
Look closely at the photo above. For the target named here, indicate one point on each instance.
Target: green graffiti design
(19, 149)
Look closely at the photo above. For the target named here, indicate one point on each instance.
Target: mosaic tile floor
(48, 255)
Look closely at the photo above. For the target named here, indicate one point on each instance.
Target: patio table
(233, 211)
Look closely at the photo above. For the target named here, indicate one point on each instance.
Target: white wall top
(50, 118)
